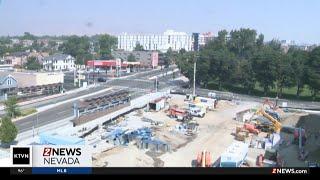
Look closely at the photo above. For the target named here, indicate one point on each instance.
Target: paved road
(234, 96)
(57, 113)
(138, 86)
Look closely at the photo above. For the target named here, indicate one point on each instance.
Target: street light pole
(156, 84)
(194, 78)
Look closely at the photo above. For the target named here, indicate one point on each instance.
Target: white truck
(196, 111)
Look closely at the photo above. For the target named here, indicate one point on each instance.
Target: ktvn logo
(21, 156)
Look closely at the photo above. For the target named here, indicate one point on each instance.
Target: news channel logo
(21, 156)
(51, 156)
(61, 156)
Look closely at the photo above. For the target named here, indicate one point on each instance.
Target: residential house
(59, 62)
(27, 43)
(16, 58)
(39, 56)
(7, 84)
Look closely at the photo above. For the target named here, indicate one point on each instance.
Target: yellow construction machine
(276, 124)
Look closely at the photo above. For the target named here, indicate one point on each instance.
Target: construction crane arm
(275, 123)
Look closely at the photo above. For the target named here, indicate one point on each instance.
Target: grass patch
(29, 111)
(288, 93)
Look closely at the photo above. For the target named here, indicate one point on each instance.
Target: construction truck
(180, 114)
(276, 124)
(197, 112)
(204, 159)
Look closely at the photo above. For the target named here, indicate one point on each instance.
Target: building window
(9, 82)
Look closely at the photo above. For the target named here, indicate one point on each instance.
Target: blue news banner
(62, 170)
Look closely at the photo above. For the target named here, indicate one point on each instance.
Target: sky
(296, 20)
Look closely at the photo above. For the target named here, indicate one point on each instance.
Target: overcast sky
(282, 19)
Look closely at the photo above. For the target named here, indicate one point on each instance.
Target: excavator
(276, 124)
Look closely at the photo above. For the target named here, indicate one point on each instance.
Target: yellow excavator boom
(277, 125)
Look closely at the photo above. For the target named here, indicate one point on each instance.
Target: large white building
(162, 42)
(59, 62)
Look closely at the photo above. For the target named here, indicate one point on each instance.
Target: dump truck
(180, 114)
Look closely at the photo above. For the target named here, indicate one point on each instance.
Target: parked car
(101, 79)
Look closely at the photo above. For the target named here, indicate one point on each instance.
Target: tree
(246, 75)
(299, 67)
(106, 44)
(8, 130)
(260, 41)
(78, 47)
(52, 44)
(139, 47)
(314, 71)
(264, 68)
(170, 57)
(242, 42)
(283, 73)
(32, 64)
(11, 107)
(28, 36)
(131, 58)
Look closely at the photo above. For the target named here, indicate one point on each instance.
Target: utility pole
(194, 78)
(74, 77)
(156, 84)
(37, 123)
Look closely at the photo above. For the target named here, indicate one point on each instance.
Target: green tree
(139, 47)
(11, 107)
(299, 67)
(242, 42)
(106, 44)
(78, 47)
(283, 73)
(8, 130)
(131, 58)
(246, 75)
(32, 64)
(314, 71)
(170, 56)
(223, 66)
(52, 44)
(264, 68)
(28, 36)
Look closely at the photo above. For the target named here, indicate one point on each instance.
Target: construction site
(173, 129)
(186, 131)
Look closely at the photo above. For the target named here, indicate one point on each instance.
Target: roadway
(137, 84)
(50, 115)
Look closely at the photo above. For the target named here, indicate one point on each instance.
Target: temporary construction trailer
(55, 139)
(157, 104)
(235, 155)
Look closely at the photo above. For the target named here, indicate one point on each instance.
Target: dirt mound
(310, 123)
